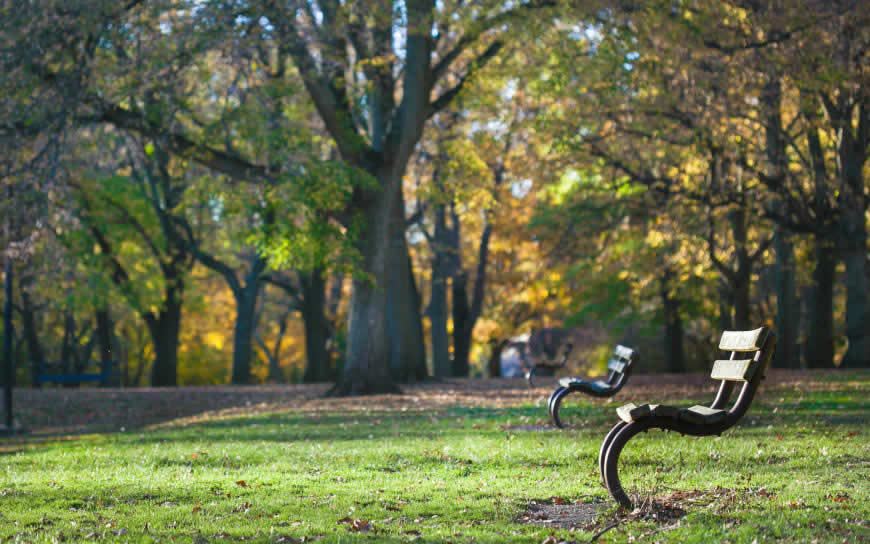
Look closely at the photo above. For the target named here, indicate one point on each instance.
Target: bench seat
(696, 414)
(598, 385)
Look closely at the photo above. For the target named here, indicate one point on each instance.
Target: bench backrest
(751, 351)
(620, 363)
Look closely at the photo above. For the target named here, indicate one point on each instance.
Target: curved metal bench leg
(611, 478)
(555, 403)
(530, 376)
(550, 400)
(602, 453)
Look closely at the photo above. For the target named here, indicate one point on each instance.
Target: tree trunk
(787, 310)
(726, 303)
(367, 363)
(404, 320)
(857, 308)
(103, 333)
(31, 336)
(8, 359)
(317, 360)
(674, 353)
(461, 324)
(820, 336)
(741, 304)
(164, 328)
(243, 334)
(854, 232)
(437, 311)
(743, 273)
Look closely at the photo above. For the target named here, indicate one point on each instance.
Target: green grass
(464, 474)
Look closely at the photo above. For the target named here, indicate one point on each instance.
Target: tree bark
(31, 336)
(243, 332)
(743, 273)
(820, 336)
(164, 327)
(368, 359)
(404, 319)
(8, 332)
(857, 307)
(674, 352)
(787, 309)
(318, 366)
(103, 334)
(726, 303)
(462, 323)
(437, 310)
(852, 153)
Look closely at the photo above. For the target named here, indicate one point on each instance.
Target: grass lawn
(393, 469)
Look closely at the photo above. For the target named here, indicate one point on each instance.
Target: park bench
(57, 372)
(619, 367)
(750, 353)
(533, 364)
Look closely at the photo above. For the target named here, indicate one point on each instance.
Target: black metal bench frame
(534, 366)
(620, 366)
(697, 420)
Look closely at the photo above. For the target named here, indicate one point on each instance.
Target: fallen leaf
(360, 525)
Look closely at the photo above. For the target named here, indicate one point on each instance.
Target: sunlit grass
(797, 468)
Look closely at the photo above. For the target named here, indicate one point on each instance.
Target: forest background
(376, 192)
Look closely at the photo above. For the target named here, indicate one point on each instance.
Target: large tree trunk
(820, 336)
(404, 320)
(317, 360)
(243, 334)
(437, 310)
(674, 352)
(164, 328)
(787, 310)
(857, 307)
(854, 232)
(367, 363)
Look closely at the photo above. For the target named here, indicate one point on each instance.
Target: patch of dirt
(563, 516)
(53, 411)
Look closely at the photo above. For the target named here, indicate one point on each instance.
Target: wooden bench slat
(702, 415)
(743, 340)
(616, 365)
(735, 370)
(623, 352)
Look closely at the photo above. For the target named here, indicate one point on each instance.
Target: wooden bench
(619, 367)
(54, 372)
(751, 352)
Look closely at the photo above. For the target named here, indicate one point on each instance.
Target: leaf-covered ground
(459, 461)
